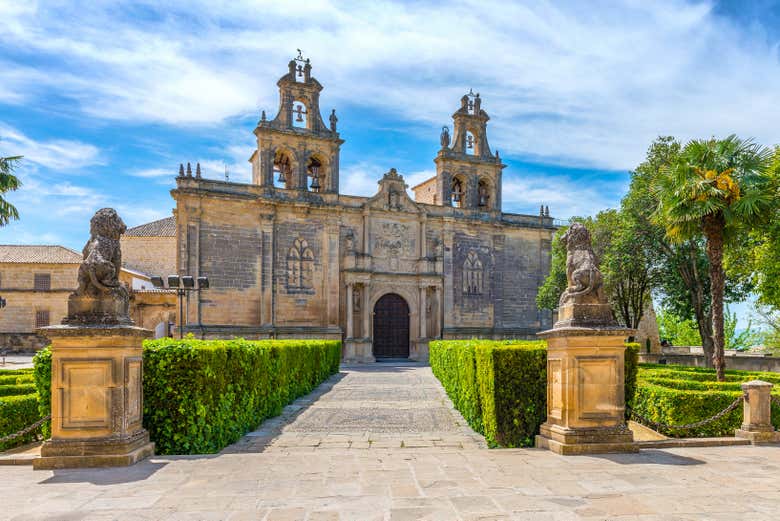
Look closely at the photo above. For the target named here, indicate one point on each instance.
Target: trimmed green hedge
(16, 413)
(500, 387)
(17, 390)
(16, 379)
(42, 376)
(678, 395)
(202, 395)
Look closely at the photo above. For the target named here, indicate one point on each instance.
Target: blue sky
(105, 99)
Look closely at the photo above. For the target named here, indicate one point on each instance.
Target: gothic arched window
(473, 275)
(300, 267)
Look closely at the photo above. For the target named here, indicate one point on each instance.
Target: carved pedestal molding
(585, 363)
(97, 365)
(757, 422)
(96, 397)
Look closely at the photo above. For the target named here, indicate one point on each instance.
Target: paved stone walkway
(377, 406)
(310, 466)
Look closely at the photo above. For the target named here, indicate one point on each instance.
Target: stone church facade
(288, 256)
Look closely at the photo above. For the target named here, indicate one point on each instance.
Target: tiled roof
(38, 254)
(162, 228)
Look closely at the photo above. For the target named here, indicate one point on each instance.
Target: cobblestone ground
(329, 458)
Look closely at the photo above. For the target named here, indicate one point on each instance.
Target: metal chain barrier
(687, 426)
(26, 430)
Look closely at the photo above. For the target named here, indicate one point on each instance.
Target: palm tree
(716, 189)
(8, 183)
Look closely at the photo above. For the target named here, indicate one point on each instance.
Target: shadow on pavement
(650, 457)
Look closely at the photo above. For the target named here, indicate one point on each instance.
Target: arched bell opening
(283, 169)
(315, 172)
(484, 194)
(458, 192)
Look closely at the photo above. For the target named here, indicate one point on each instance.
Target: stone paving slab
(280, 473)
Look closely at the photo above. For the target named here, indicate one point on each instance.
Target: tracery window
(300, 266)
(473, 275)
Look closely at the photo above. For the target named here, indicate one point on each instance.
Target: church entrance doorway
(391, 327)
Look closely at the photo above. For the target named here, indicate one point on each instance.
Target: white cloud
(569, 82)
(57, 154)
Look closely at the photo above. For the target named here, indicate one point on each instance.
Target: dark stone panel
(521, 276)
(229, 255)
(472, 302)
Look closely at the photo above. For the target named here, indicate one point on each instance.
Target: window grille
(42, 318)
(42, 282)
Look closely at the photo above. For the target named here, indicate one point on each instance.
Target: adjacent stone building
(36, 280)
(289, 256)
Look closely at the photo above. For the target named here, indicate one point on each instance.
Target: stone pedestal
(757, 409)
(96, 397)
(585, 390)
(358, 351)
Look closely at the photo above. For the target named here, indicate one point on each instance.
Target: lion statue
(582, 271)
(99, 272)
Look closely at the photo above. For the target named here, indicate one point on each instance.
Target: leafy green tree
(8, 183)
(715, 189)
(676, 330)
(680, 271)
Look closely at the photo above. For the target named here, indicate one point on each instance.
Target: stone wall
(150, 255)
(740, 362)
(17, 287)
(22, 342)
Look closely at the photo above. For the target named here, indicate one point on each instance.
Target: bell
(299, 118)
(315, 183)
(282, 179)
(456, 197)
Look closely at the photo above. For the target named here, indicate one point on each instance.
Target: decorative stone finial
(444, 138)
(541, 210)
(181, 170)
(197, 170)
(546, 211)
(189, 170)
(100, 298)
(262, 116)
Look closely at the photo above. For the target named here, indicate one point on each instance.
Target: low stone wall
(740, 362)
(22, 342)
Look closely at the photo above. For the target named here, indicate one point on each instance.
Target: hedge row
(500, 387)
(202, 395)
(16, 413)
(17, 390)
(677, 395)
(16, 379)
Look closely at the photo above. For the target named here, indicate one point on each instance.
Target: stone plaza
(328, 457)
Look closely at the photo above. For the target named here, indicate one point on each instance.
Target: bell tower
(468, 174)
(296, 150)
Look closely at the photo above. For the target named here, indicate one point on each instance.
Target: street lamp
(182, 284)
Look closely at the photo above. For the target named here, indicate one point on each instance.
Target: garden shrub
(42, 376)
(16, 413)
(500, 387)
(16, 390)
(200, 396)
(678, 395)
(16, 379)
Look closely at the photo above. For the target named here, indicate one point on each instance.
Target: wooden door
(391, 327)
